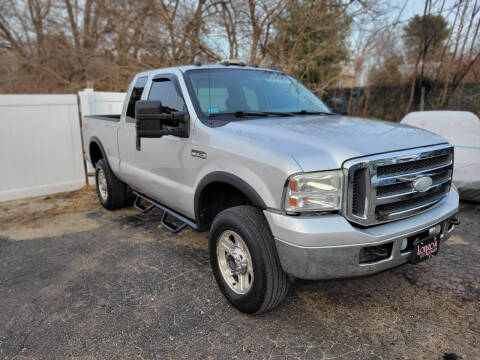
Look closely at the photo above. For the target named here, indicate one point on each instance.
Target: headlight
(319, 191)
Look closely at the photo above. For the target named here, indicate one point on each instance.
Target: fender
(230, 179)
(97, 141)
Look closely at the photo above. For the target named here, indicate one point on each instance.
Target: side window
(165, 91)
(134, 97)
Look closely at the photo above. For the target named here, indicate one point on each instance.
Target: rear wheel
(111, 191)
(244, 260)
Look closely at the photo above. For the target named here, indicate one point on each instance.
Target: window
(217, 95)
(134, 97)
(226, 91)
(164, 90)
(251, 97)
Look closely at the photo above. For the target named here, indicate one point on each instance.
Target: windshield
(251, 92)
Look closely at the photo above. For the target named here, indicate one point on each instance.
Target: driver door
(157, 169)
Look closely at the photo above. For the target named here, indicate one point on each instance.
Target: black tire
(116, 189)
(270, 283)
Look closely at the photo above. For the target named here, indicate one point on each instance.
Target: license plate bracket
(424, 249)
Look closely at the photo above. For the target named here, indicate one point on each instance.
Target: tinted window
(165, 91)
(218, 95)
(134, 97)
(251, 97)
(231, 90)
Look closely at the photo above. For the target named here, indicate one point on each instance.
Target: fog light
(375, 253)
(433, 231)
(404, 244)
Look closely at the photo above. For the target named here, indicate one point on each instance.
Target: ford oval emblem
(422, 183)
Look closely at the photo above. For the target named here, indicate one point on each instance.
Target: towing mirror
(153, 120)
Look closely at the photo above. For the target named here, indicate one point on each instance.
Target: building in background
(351, 77)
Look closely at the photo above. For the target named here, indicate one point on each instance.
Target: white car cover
(462, 130)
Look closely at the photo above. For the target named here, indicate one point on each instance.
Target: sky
(416, 7)
(413, 7)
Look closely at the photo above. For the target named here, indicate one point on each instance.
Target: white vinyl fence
(97, 102)
(40, 146)
(40, 141)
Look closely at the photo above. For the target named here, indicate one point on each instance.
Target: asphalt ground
(79, 282)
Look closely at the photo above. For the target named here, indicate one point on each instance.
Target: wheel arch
(96, 151)
(219, 183)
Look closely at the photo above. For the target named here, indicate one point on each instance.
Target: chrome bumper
(328, 246)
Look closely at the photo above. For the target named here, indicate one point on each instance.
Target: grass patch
(84, 199)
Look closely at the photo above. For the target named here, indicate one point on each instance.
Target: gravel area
(83, 283)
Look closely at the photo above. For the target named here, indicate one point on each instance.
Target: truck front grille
(381, 188)
(412, 166)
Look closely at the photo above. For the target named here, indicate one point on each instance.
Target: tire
(266, 282)
(111, 191)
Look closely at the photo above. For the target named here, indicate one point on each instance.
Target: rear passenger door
(128, 171)
(158, 170)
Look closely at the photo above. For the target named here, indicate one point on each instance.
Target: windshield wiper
(237, 114)
(308, 112)
(277, 113)
(241, 113)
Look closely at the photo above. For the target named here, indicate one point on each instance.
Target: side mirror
(151, 117)
(338, 106)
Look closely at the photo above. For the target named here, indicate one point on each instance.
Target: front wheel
(244, 260)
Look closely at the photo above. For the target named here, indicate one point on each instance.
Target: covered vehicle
(461, 129)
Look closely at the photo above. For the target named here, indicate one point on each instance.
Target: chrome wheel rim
(235, 262)
(102, 184)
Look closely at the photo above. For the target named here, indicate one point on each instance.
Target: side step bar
(166, 211)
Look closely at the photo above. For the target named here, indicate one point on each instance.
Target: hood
(325, 142)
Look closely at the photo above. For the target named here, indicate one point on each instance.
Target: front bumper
(328, 246)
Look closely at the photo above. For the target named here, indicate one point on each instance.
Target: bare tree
(262, 14)
(61, 45)
(466, 51)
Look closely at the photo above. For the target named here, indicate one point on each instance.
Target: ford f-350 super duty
(286, 188)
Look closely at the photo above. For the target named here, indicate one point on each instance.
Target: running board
(166, 211)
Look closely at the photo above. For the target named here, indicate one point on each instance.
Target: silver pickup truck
(286, 188)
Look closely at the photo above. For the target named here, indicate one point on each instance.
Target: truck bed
(103, 129)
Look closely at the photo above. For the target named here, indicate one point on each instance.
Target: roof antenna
(197, 62)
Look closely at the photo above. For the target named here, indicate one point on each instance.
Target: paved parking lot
(79, 282)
